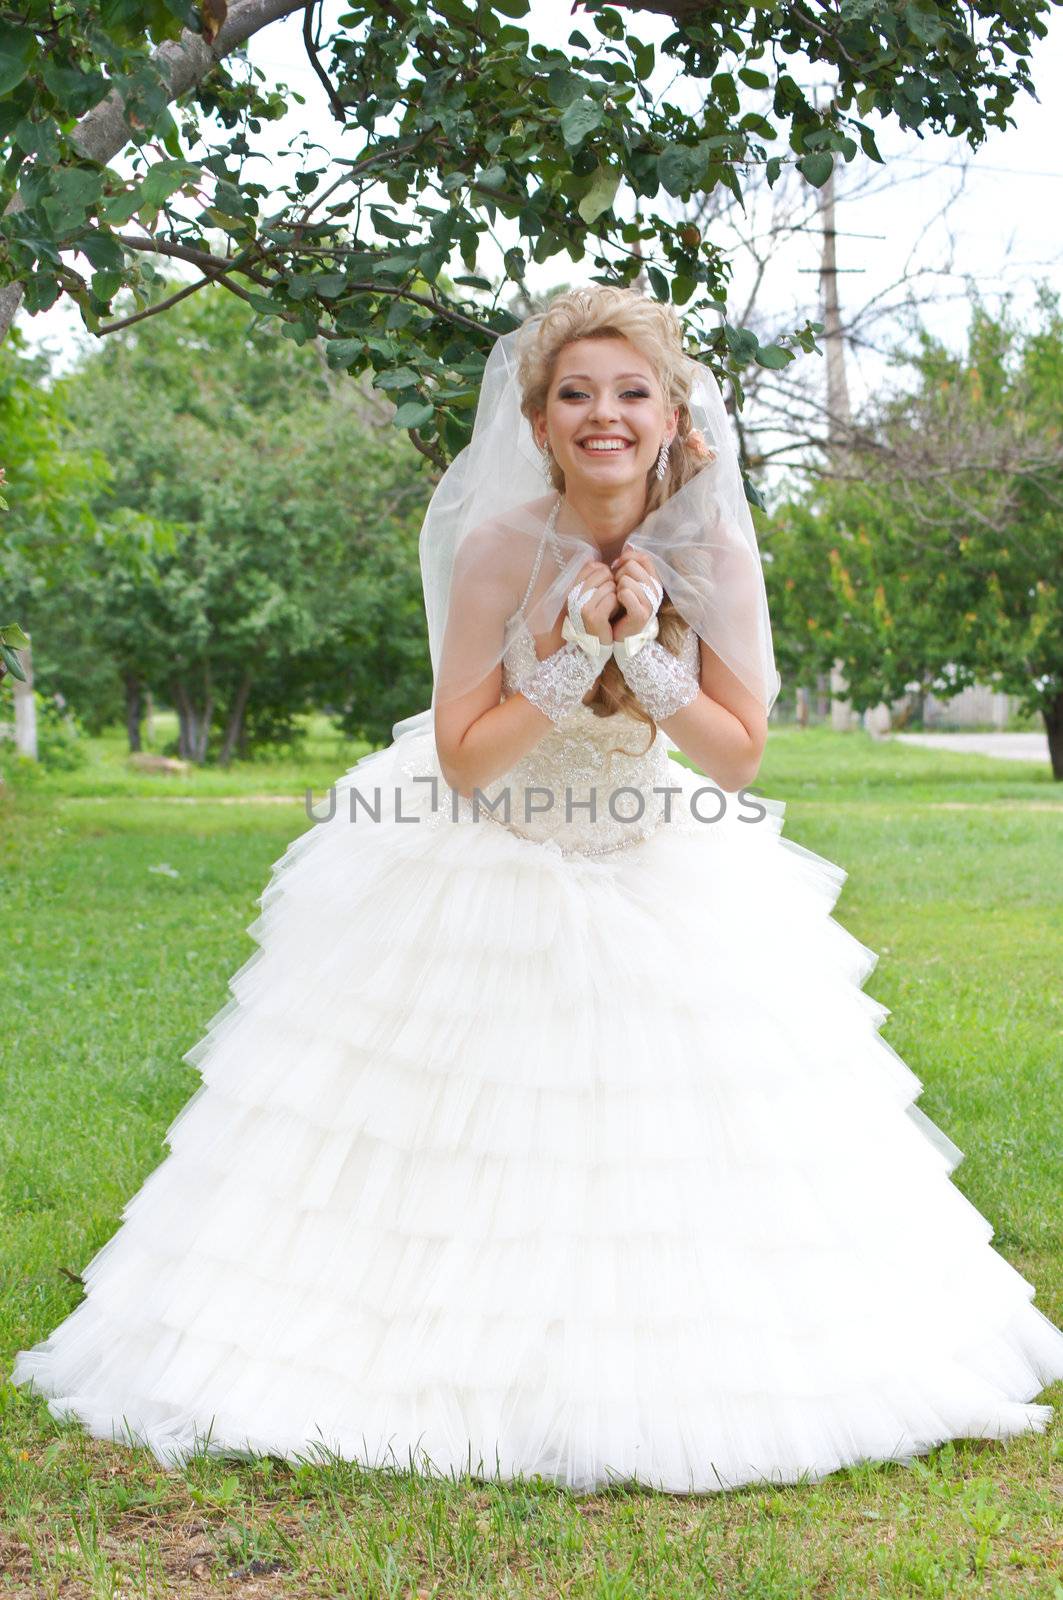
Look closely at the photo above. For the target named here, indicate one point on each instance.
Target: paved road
(1009, 746)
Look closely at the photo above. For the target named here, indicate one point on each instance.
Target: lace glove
(558, 684)
(659, 680)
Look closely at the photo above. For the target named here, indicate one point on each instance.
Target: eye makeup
(574, 394)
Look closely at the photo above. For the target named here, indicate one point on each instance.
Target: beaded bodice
(589, 783)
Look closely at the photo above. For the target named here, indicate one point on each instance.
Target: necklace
(551, 524)
(548, 534)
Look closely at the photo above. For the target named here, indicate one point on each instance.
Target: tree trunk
(842, 716)
(149, 717)
(205, 716)
(235, 728)
(133, 710)
(822, 697)
(1053, 715)
(193, 723)
(25, 707)
(186, 722)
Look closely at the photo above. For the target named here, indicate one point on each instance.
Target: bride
(549, 1129)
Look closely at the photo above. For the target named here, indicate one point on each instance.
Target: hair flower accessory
(695, 440)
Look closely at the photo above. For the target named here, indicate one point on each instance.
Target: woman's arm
(723, 729)
(478, 738)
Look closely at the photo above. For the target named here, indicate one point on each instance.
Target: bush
(60, 739)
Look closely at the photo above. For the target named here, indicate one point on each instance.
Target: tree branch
(103, 132)
(339, 110)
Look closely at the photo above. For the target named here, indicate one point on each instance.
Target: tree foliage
(291, 578)
(454, 119)
(936, 560)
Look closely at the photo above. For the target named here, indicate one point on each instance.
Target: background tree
(936, 560)
(292, 515)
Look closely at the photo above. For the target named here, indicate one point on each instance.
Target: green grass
(110, 973)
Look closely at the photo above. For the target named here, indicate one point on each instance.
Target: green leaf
(869, 147)
(13, 635)
(230, 200)
(329, 284)
(924, 22)
(398, 378)
(755, 79)
(341, 354)
(106, 283)
(103, 251)
(643, 57)
(600, 196)
(773, 356)
(270, 308)
(682, 289)
(511, 8)
(431, 262)
(11, 661)
(118, 208)
(163, 179)
(38, 139)
(817, 168)
(753, 122)
(563, 87)
(742, 343)
(401, 313)
(74, 190)
(659, 283)
(580, 119)
(753, 494)
(17, 48)
(677, 167)
(414, 414)
(75, 92)
(725, 93)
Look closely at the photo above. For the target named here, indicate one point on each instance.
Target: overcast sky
(1006, 226)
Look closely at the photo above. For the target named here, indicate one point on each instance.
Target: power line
(976, 166)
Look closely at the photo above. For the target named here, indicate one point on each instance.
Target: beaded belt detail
(575, 850)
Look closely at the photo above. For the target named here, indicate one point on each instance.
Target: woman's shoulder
(497, 556)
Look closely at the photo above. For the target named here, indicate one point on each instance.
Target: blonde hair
(604, 311)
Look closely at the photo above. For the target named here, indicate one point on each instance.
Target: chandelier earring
(662, 460)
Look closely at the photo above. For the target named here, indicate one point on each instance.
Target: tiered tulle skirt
(517, 1162)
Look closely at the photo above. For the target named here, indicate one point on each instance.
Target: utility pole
(25, 708)
(839, 409)
(839, 429)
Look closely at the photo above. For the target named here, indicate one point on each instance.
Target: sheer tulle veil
(486, 519)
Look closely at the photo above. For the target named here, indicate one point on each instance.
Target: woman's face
(605, 415)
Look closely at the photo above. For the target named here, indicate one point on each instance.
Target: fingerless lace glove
(558, 684)
(658, 679)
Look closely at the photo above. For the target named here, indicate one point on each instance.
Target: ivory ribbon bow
(600, 650)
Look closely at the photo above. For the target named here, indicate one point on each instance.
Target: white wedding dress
(559, 1147)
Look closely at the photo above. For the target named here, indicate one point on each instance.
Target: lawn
(125, 900)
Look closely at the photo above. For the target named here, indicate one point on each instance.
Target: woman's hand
(593, 615)
(633, 569)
